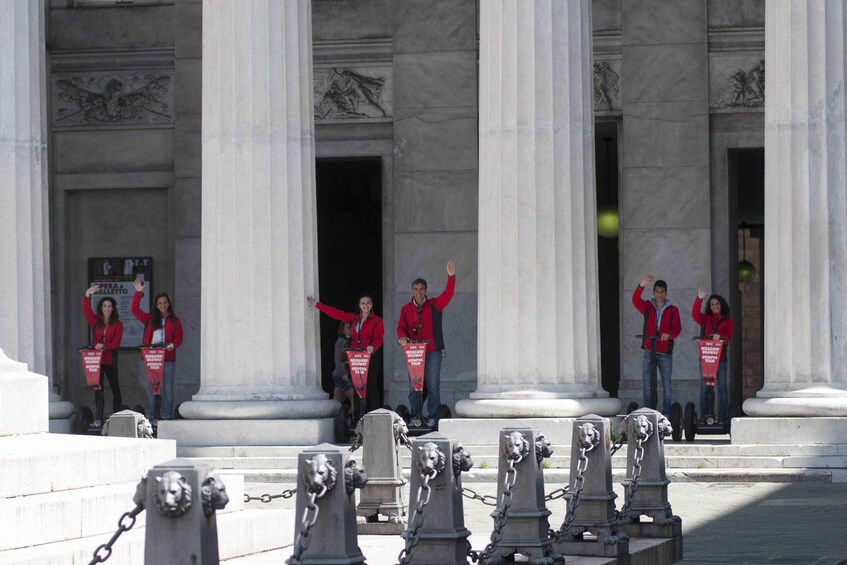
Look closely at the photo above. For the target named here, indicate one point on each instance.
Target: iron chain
(122, 527)
(287, 493)
(622, 438)
(301, 544)
(486, 499)
(578, 484)
(633, 486)
(404, 439)
(558, 493)
(417, 520)
(502, 516)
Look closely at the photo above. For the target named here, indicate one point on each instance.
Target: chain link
(287, 493)
(558, 493)
(486, 499)
(417, 520)
(633, 486)
(579, 484)
(502, 516)
(125, 523)
(621, 438)
(301, 544)
(356, 444)
(404, 439)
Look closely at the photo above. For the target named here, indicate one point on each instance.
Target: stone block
(436, 201)
(188, 203)
(338, 20)
(787, 430)
(383, 494)
(666, 134)
(434, 25)
(670, 197)
(441, 79)
(188, 81)
(665, 73)
(187, 262)
(123, 424)
(655, 22)
(187, 145)
(198, 433)
(188, 41)
(126, 151)
(435, 139)
(25, 399)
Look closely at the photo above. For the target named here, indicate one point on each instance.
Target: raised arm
(442, 300)
(89, 314)
(139, 314)
(697, 309)
(639, 303)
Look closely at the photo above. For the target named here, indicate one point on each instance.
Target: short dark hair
(420, 281)
(660, 284)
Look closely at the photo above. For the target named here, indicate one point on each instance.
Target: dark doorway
(746, 169)
(606, 171)
(349, 206)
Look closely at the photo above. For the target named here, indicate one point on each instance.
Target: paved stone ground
(738, 523)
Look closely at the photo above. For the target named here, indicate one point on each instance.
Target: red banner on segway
(91, 361)
(359, 362)
(710, 357)
(154, 360)
(416, 361)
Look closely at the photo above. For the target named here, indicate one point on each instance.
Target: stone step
(240, 534)
(65, 515)
(75, 461)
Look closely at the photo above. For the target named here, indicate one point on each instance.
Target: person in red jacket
(420, 320)
(367, 332)
(108, 331)
(715, 323)
(661, 318)
(161, 327)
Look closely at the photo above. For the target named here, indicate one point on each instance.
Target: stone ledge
(203, 433)
(788, 430)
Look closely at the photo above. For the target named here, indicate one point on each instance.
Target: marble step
(243, 533)
(77, 513)
(42, 463)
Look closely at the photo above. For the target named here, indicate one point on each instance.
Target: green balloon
(746, 271)
(608, 221)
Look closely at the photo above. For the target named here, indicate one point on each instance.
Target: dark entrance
(349, 208)
(606, 170)
(746, 170)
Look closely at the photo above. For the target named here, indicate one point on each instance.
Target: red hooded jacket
(713, 324)
(417, 322)
(371, 333)
(173, 327)
(670, 323)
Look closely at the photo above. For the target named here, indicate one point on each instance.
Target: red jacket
(372, 332)
(417, 322)
(713, 324)
(173, 327)
(670, 323)
(110, 336)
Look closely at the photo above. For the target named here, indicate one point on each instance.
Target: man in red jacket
(661, 318)
(420, 320)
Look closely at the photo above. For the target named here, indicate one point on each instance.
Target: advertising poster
(116, 276)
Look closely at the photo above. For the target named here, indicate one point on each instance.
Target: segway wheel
(442, 412)
(342, 425)
(139, 409)
(403, 411)
(631, 407)
(84, 417)
(676, 421)
(689, 422)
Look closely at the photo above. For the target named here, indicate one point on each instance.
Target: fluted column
(538, 337)
(259, 249)
(25, 330)
(805, 211)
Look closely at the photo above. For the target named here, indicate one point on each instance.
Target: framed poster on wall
(116, 276)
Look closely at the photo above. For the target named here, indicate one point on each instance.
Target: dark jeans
(373, 391)
(721, 391)
(167, 391)
(665, 365)
(432, 384)
(111, 373)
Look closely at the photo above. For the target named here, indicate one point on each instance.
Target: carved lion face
(461, 459)
(399, 427)
(431, 459)
(213, 494)
(665, 428)
(144, 429)
(319, 474)
(172, 495)
(542, 448)
(140, 496)
(640, 427)
(587, 436)
(354, 476)
(515, 446)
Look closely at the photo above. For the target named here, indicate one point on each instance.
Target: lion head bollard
(436, 532)
(181, 498)
(384, 435)
(520, 521)
(127, 423)
(591, 500)
(646, 484)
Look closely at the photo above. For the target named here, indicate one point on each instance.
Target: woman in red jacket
(715, 323)
(367, 332)
(161, 327)
(108, 331)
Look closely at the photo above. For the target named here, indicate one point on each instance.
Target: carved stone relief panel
(737, 82)
(112, 98)
(353, 93)
(607, 86)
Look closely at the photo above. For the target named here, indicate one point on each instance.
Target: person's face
(162, 305)
(715, 306)
(347, 330)
(419, 292)
(660, 294)
(366, 305)
(107, 309)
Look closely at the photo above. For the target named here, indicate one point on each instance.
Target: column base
(788, 431)
(231, 433)
(258, 409)
(821, 406)
(538, 407)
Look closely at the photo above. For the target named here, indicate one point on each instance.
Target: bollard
(646, 483)
(436, 533)
(325, 530)
(181, 499)
(521, 478)
(384, 432)
(127, 423)
(591, 499)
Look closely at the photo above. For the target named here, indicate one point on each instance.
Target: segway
(154, 361)
(676, 409)
(710, 354)
(358, 362)
(92, 360)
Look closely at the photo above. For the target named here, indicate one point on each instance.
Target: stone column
(538, 336)
(805, 211)
(24, 241)
(259, 358)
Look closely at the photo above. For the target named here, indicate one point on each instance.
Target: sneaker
(431, 422)
(98, 424)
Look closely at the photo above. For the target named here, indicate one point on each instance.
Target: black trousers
(111, 373)
(374, 392)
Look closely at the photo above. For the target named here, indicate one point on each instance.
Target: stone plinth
(383, 495)
(25, 399)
